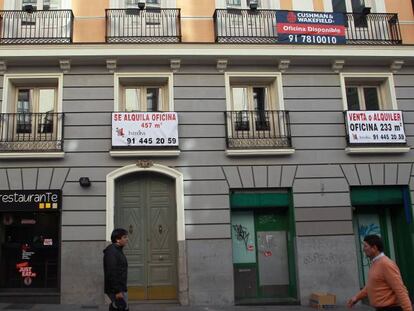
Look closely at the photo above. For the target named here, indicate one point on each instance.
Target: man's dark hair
(117, 234)
(374, 240)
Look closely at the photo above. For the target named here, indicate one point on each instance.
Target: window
(241, 4)
(363, 97)
(357, 6)
(368, 91)
(41, 4)
(148, 99)
(32, 120)
(28, 6)
(133, 4)
(150, 17)
(339, 6)
(251, 103)
(255, 116)
(143, 92)
(233, 2)
(34, 110)
(146, 93)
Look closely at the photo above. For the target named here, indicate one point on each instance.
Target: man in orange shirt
(385, 288)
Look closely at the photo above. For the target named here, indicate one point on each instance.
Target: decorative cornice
(111, 65)
(396, 65)
(221, 64)
(338, 65)
(65, 65)
(283, 65)
(175, 64)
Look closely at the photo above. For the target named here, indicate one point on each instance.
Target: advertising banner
(30, 200)
(154, 129)
(375, 127)
(310, 27)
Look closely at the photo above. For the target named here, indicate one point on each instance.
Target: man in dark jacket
(116, 270)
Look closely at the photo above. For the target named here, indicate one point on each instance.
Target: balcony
(258, 129)
(143, 26)
(31, 132)
(36, 27)
(260, 26)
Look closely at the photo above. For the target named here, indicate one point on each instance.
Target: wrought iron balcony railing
(378, 28)
(143, 26)
(260, 26)
(31, 132)
(37, 27)
(258, 129)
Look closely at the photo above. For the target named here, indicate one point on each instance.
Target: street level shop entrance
(30, 246)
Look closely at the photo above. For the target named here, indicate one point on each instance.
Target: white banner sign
(144, 129)
(375, 127)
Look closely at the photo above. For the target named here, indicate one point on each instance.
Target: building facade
(246, 146)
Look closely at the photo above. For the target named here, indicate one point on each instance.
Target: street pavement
(170, 307)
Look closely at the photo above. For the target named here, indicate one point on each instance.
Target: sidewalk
(168, 307)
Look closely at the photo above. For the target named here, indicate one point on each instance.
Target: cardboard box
(322, 300)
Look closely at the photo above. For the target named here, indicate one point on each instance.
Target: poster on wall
(298, 27)
(375, 127)
(154, 129)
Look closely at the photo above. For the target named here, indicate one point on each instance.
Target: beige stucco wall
(89, 24)
(197, 30)
(196, 20)
(318, 6)
(406, 17)
(286, 4)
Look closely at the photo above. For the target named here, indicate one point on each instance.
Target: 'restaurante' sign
(153, 129)
(30, 200)
(375, 127)
(310, 27)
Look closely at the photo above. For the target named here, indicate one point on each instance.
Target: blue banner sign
(310, 27)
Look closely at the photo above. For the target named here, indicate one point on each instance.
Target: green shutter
(259, 200)
(380, 195)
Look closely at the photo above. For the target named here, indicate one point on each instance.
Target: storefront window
(29, 244)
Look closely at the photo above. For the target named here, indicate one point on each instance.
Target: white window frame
(143, 96)
(377, 6)
(273, 80)
(386, 84)
(17, 5)
(148, 79)
(300, 5)
(160, 79)
(120, 4)
(11, 84)
(264, 4)
(361, 98)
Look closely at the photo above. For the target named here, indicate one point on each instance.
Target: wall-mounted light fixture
(366, 10)
(28, 8)
(84, 182)
(141, 5)
(253, 5)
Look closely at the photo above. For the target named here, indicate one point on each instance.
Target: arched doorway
(145, 206)
(149, 203)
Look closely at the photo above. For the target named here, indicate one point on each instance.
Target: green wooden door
(403, 233)
(385, 211)
(145, 206)
(263, 259)
(272, 253)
